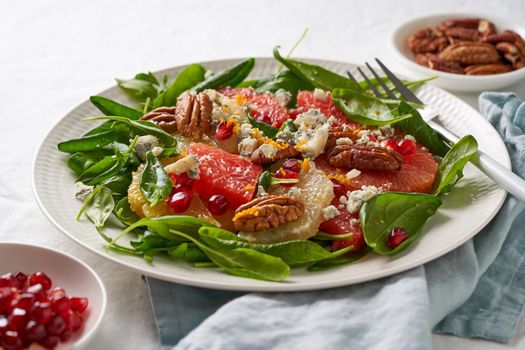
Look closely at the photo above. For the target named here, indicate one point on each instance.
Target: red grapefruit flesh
(342, 224)
(306, 101)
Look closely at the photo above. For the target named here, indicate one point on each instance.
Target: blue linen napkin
(478, 290)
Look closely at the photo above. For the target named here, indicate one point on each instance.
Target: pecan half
(193, 114)
(486, 27)
(437, 63)
(337, 133)
(364, 157)
(465, 34)
(164, 117)
(470, 53)
(471, 23)
(427, 41)
(485, 69)
(267, 212)
(511, 54)
(508, 36)
(285, 150)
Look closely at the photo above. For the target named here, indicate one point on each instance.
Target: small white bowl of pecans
(466, 52)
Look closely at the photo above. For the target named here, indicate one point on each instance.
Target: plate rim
(267, 286)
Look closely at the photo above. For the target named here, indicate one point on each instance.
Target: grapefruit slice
(342, 224)
(263, 107)
(417, 174)
(307, 100)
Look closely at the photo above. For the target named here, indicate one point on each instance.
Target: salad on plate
(255, 176)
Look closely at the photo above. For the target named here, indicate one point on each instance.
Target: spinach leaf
(79, 162)
(339, 260)
(189, 252)
(266, 180)
(150, 241)
(353, 110)
(143, 85)
(316, 75)
(417, 127)
(227, 77)
(169, 152)
(451, 167)
(389, 210)
(242, 261)
(119, 184)
(321, 236)
(155, 184)
(98, 206)
(268, 130)
(124, 213)
(88, 143)
(188, 78)
(109, 107)
(285, 80)
(143, 127)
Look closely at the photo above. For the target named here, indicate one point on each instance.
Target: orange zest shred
(240, 99)
(305, 165)
(250, 211)
(235, 123)
(249, 187)
(300, 144)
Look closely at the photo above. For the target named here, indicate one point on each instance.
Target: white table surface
(54, 54)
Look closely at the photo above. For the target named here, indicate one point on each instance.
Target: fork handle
(502, 176)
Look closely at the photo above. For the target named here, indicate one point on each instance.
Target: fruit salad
(255, 176)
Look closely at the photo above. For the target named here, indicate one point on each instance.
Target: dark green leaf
(142, 86)
(339, 261)
(285, 80)
(229, 77)
(79, 162)
(109, 107)
(124, 213)
(189, 252)
(155, 184)
(88, 143)
(451, 167)
(169, 152)
(389, 210)
(417, 127)
(268, 130)
(316, 75)
(188, 78)
(118, 184)
(98, 206)
(149, 242)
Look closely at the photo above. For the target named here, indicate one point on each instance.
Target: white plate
(471, 205)
(77, 279)
(457, 82)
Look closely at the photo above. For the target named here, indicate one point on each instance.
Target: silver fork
(505, 178)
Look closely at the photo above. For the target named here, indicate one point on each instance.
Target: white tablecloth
(54, 54)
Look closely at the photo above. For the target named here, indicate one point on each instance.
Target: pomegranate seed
(61, 306)
(41, 313)
(76, 321)
(181, 188)
(391, 144)
(38, 291)
(266, 119)
(65, 335)
(56, 293)
(78, 304)
(11, 341)
(35, 332)
(286, 174)
(218, 204)
(40, 278)
(339, 188)
(179, 202)
(6, 280)
(6, 296)
(372, 138)
(181, 179)
(407, 147)
(4, 325)
(56, 325)
(293, 113)
(292, 165)
(224, 131)
(20, 280)
(50, 342)
(397, 236)
(18, 318)
(26, 301)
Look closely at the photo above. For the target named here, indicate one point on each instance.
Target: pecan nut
(364, 157)
(470, 53)
(508, 36)
(164, 117)
(485, 69)
(193, 114)
(267, 212)
(427, 41)
(482, 26)
(511, 54)
(464, 34)
(282, 151)
(434, 62)
(336, 133)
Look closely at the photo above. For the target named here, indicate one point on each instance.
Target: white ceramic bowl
(457, 82)
(74, 276)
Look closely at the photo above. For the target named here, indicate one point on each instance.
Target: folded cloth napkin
(477, 290)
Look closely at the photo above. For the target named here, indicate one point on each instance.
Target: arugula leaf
(143, 85)
(88, 143)
(242, 261)
(124, 213)
(356, 107)
(417, 127)
(228, 77)
(267, 129)
(155, 184)
(451, 167)
(389, 210)
(109, 107)
(98, 206)
(143, 127)
(316, 75)
(188, 78)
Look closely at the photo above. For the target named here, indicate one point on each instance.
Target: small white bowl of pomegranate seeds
(466, 52)
(48, 299)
